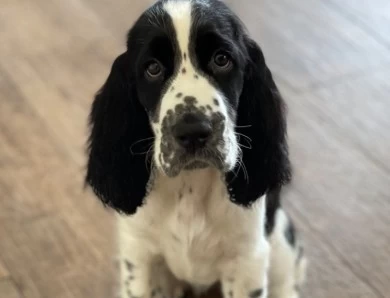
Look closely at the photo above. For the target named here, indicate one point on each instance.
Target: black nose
(192, 132)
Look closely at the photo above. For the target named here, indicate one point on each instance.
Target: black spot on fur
(230, 294)
(172, 88)
(190, 189)
(185, 56)
(289, 233)
(190, 100)
(196, 76)
(208, 107)
(256, 293)
(179, 95)
(300, 254)
(216, 102)
(129, 265)
(183, 70)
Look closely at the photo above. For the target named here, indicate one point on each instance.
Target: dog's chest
(191, 223)
(192, 241)
(201, 229)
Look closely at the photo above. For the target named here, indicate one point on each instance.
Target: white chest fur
(190, 222)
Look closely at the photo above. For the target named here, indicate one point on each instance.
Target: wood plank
(51, 258)
(372, 16)
(63, 105)
(3, 271)
(38, 182)
(30, 162)
(309, 44)
(120, 17)
(344, 196)
(28, 28)
(327, 274)
(357, 111)
(8, 289)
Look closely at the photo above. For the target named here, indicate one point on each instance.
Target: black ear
(261, 117)
(118, 120)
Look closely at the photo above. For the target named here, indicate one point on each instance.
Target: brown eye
(222, 60)
(154, 69)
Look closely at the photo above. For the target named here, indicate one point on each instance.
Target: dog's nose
(193, 131)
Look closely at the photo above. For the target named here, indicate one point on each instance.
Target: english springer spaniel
(188, 144)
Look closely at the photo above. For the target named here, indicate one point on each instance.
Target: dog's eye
(154, 70)
(222, 60)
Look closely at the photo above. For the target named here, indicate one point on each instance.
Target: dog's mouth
(200, 160)
(197, 164)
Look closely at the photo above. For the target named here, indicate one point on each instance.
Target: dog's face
(193, 82)
(190, 72)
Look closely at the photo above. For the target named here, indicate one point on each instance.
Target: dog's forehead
(187, 15)
(180, 14)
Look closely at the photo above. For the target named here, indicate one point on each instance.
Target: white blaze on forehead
(180, 13)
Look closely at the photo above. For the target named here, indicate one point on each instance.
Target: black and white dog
(188, 143)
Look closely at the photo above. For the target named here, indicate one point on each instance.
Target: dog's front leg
(141, 278)
(136, 256)
(143, 272)
(246, 276)
(135, 276)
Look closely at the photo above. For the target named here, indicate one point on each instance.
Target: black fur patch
(256, 293)
(129, 265)
(289, 233)
(300, 254)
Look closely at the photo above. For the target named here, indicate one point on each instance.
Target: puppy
(188, 144)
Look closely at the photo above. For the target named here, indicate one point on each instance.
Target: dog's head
(191, 91)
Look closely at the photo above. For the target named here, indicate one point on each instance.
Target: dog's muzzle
(192, 139)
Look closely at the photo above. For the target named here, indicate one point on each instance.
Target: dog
(188, 143)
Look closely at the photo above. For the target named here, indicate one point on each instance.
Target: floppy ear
(261, 117)
(118, 120)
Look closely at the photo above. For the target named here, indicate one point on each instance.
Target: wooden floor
(331, 59)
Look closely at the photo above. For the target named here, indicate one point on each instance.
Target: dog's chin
(196, 164)
(190, 164)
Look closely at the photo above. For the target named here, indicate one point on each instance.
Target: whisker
(243, 167)
(247, 147)
(141, 140)
(246, 176)
(243, 135)
(235, 172)
(243, 126)
(140, 153)
(149, 152)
